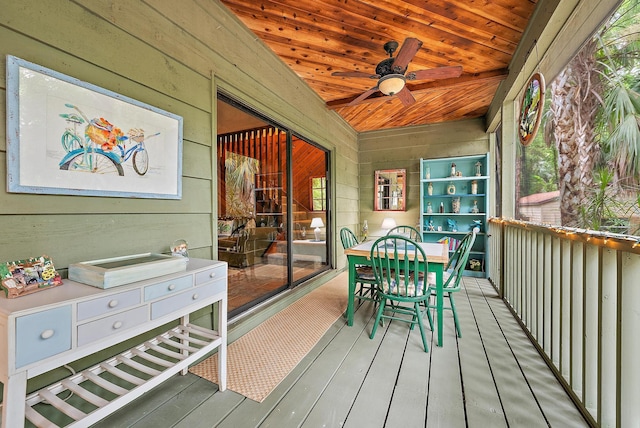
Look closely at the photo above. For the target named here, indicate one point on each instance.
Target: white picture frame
(69, 137)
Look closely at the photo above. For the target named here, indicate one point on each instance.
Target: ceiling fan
(391, 75)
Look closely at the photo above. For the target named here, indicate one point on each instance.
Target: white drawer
(186, 298)
(105, 305)
(167, 287)
(112, 324)
(42, 335)
(211, 274)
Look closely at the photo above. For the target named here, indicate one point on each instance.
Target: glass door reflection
(309, 250)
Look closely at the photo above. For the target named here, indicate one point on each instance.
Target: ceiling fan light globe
(391, 84)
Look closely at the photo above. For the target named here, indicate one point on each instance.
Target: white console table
(49, 329)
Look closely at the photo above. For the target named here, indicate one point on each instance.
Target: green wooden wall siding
(175, 60)
(403, 148)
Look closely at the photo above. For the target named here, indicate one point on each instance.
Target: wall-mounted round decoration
(531, 109)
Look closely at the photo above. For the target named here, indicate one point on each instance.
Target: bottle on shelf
(474, 187)
(429, 208)
(427, 173)
(453, 170)
(430, 189)
(475, 209)
(441, 207)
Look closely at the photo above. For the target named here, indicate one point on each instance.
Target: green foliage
(539, 167)
(618, 55)
(616, 127)
(604, 209)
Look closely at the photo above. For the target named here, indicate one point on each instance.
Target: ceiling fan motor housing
(385, 67)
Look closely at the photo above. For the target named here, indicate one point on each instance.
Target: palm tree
(574, 107)
(595, 99)
(619, 53)
(240, 178)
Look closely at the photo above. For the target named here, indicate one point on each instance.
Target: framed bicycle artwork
(69, 137)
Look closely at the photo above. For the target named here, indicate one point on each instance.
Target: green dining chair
(400, 268)
(452, 277)
(408, 231)
(365, 279)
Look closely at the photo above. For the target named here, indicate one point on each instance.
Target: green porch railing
(577, 294)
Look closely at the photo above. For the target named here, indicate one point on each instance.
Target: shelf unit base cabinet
(454, 194)
(82, 320)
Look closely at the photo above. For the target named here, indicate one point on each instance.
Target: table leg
(352, 291)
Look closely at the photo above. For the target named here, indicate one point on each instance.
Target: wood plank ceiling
(316, 38)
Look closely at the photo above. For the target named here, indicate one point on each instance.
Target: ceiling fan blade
(364, 96)
(407, 51)
(435, 73)
(405, 97)
(355, 74)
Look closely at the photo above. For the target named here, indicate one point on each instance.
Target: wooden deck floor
(491, 377)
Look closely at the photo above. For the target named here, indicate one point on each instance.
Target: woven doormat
(259, 360)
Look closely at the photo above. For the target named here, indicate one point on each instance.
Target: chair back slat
(408, 231)
(348, 238)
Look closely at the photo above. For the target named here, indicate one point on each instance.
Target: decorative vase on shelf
(453, 170)
(474, 187)
(451, 189)
(475, 209)
(429, 208)
(427, 173)
(430, 189)
(455, 205)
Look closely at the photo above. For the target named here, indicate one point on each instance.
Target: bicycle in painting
(103, 149)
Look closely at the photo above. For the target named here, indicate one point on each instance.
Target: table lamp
(316, 224)
(388, 224)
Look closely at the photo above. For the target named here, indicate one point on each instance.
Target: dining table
(437, 258)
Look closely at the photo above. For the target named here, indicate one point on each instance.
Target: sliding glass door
(272, 206)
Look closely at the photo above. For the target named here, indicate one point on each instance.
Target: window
(319, 193)
(584, 172)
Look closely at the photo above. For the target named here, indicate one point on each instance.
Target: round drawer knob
(212, 275)
(113, 303)
(195, 296)
(117, 325)
(46, 334)
(172, 287)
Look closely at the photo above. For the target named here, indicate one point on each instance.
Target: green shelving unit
(454, 199)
